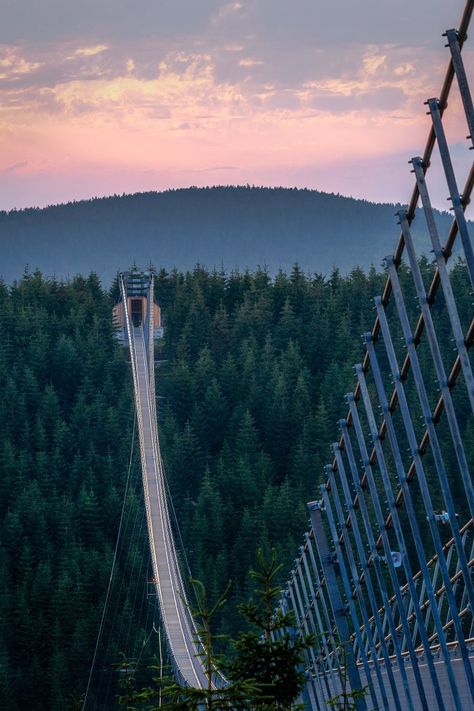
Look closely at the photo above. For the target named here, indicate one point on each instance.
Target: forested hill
(230, 226)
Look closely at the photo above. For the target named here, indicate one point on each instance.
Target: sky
(101, 97)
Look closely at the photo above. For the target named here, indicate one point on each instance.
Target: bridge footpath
(168, 582)
(465, 696)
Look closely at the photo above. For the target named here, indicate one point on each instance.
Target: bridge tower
(140, 305)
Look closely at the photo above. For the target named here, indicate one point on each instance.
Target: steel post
(455, 197)
(339, 610)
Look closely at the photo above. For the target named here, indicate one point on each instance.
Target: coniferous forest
(251, 377)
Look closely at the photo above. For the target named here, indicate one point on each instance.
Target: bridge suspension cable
(112, 568)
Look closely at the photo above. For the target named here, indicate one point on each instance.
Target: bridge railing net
(384, 578)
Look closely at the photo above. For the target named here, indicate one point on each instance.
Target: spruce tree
(269, 652)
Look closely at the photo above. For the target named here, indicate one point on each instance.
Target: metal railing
(384, 617)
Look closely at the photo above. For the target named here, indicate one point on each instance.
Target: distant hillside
(236, 227)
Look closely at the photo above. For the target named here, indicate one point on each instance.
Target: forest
(251, 377)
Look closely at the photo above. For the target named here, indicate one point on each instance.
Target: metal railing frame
(348, 587)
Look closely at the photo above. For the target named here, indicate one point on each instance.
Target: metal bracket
(330, 558)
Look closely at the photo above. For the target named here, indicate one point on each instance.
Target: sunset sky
(110, 96)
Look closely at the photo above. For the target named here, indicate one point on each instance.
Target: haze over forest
(230, 227)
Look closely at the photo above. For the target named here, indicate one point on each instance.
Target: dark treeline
(250, 390)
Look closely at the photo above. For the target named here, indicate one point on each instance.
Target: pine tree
(269, 653)
(216, 695)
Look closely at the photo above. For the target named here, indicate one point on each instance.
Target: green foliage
(217, 694)
(265, 672)
(348, 699)
(268, 652)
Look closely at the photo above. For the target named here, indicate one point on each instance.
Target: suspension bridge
(386, 620)
(180, 632)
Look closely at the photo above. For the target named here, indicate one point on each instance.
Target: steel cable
(112, 570)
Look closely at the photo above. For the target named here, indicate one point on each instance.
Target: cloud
(182, 87)
(218, 168)
(250, 62)
(15, 167)
(235, 48)
(13, 65)
(226, 11)
(404, 69)
(373, 63)
(325, 24)
(90, 51)
(185, 126)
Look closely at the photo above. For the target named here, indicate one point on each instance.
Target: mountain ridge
(223, 226)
